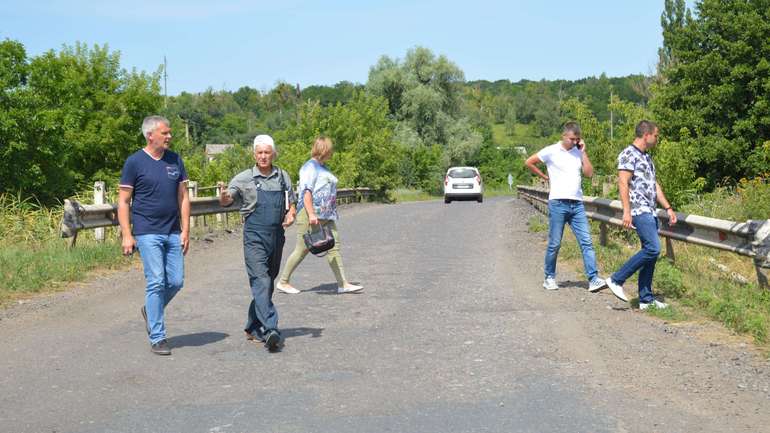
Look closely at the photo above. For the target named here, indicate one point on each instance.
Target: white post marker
(192, 191)
(99, 199)
(510, 181)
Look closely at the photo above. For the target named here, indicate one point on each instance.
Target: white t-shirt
(564, 168)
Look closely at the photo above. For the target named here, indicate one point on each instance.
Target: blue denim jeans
(572, 212)
(164, 271)
(644, 261)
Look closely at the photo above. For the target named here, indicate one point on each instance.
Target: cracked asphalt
(453, 333)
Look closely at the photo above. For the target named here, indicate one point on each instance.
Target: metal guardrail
(750, 238)
(91, 216)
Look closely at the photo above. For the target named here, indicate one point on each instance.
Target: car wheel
(447, 200)
(480, 199)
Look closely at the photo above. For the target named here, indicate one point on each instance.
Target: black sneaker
(144, 315)
(160, 348)
(272, 340)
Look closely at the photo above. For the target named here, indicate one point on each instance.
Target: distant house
(212, 150)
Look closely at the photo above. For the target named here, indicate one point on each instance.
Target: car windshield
(462, 173)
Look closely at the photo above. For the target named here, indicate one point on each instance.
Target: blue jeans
(572, 212)
(644, 261)
(164, 271)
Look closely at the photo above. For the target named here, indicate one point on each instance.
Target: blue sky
(229, 44)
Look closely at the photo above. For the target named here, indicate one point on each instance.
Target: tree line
(71, 116)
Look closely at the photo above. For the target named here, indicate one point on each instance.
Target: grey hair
(571, 127)
(265, 140)
(151, 122)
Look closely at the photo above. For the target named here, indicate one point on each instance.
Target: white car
(463, 183)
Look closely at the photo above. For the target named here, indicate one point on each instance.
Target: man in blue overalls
(268, 206)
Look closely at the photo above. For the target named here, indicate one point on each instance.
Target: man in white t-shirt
(566, 160)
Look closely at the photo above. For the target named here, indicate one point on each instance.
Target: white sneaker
(617, 290)
(350, 288)
(596, 284)
(286, 288)
(654, 304)
(550, 284)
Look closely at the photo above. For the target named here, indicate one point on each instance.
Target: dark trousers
(262, 250)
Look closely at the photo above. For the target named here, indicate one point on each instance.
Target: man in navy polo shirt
(153, 190)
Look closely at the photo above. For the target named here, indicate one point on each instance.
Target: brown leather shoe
(160, 348)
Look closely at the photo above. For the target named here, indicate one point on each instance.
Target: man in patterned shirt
(638, 192)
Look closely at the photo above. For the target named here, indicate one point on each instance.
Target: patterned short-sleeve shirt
(322, 184)
(642, 192)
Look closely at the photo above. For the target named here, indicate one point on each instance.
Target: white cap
(263, 139)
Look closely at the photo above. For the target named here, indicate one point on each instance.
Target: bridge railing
(750, 238)
(79, 216)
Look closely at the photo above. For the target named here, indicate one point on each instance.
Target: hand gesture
(627, 221)
(128, 244)
(671, 216)
(288, 220)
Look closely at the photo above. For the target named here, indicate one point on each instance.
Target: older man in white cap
(268, 206)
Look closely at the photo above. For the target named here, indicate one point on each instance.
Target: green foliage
(750, 199)
(714, 93)
(364, 151)
(537, 224)
(66, 116)
(423, 91)
(668, 279)
(403, 195)
(24, 270)
(226, 165)
(341, 92)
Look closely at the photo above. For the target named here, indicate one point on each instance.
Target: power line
(165, 82)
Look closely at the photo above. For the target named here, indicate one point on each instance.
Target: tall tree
(715, 89)
(68, 117)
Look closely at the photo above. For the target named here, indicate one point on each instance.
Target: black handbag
(319, 242)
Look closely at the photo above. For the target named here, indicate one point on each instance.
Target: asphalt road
(453, 333)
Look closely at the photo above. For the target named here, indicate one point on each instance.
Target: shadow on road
(324, 289)
(299, 332)
(330, 289)
(576, 284)
(196, 339)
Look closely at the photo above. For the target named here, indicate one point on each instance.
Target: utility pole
(165, 83)
(298, 107)
(612, 136)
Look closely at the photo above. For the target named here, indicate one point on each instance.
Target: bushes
(750, 199)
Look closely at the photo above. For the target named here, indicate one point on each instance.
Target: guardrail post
(670, 249)
(761, 247)
(603, 234)
(99, 199)
(606, 188)
(192, 191)
(70, 223)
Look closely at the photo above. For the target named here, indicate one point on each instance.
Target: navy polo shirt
(155, 184)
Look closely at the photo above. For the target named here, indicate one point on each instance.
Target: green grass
(49, 265)
(402, 195)
(34, 259)
(500, 191)
(523, 135)
(538, 223)
(692, 285)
